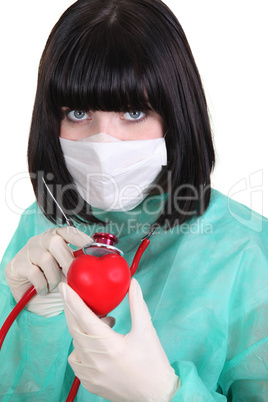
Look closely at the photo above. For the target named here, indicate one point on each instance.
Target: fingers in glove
(35, 277)
(47, 266)
(74, 236)
(21, 273)
(76, 365)
(56, 242)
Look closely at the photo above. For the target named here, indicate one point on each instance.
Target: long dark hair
(121, 55)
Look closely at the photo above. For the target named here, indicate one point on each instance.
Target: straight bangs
(106, 70)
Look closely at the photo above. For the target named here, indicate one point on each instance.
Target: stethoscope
(103, 245)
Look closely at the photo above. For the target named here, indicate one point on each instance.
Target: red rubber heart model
(101, 282)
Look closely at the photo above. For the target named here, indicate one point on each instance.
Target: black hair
(121, 55)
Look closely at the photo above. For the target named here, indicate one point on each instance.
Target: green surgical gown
(206, 286)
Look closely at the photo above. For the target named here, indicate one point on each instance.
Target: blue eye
(136, 115)
(76, 115)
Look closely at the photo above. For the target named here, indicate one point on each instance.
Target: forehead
(106, 71)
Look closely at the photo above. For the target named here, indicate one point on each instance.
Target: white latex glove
(132, 367)
(39, 263)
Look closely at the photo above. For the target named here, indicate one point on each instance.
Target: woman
(121, 133)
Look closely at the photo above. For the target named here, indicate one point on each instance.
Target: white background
(229, 40)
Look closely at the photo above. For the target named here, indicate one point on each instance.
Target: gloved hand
(132, 367)
(38, 263)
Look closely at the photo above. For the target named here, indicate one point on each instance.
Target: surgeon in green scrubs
(121, 133)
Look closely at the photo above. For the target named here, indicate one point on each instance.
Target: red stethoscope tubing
(73, 390)
(15, 312)
(32, 292)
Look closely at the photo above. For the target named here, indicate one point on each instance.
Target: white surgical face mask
(111, 174)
